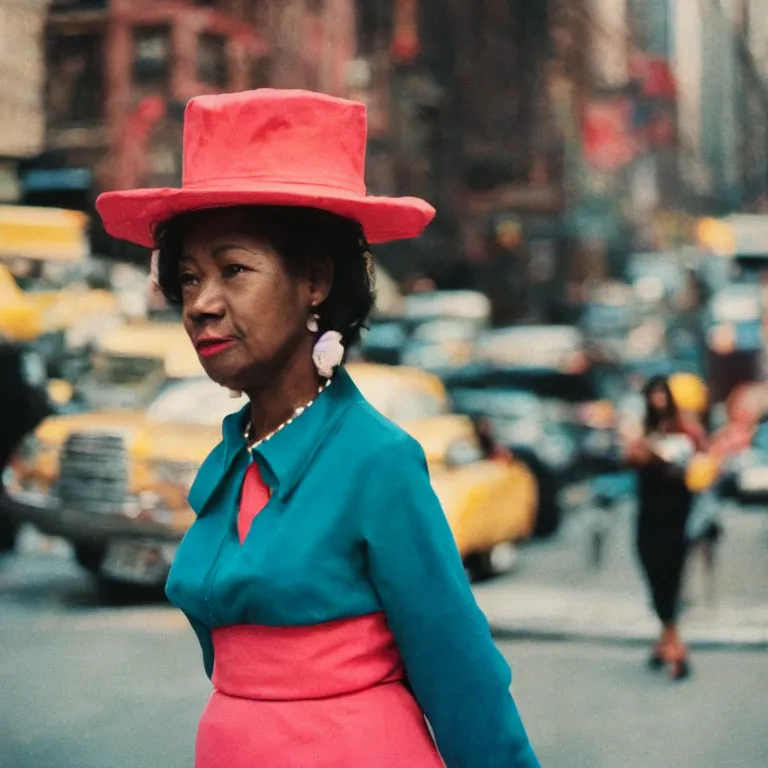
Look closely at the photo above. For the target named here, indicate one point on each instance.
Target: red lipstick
(211, 345)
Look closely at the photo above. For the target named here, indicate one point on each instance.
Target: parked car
(656, 277)
(433, 331)
(133, 363)
(608, 320)
(23, 405)
(45, 299)
(735, 338)
(535, 433)
(745, 475)
(551, 364)
(114, 483)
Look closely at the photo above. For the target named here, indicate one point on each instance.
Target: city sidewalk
(557, 593)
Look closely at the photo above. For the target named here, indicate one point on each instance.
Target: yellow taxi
(44, 298)
(114, 483)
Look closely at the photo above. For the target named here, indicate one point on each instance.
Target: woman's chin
(222, 373)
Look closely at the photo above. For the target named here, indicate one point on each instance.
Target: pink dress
(333, 695)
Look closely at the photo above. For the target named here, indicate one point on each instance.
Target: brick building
(121, 71)
(22, 74)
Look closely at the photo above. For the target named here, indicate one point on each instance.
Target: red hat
(269, 147)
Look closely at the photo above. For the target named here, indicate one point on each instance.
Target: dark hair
(652, 417)
(299, 235)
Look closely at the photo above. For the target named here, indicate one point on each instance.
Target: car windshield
(504, 405)
(121, 381)
(437, 331)
(531, 347)
(608, 319)
(196, 401)
(123, 369)
(33, 275)
(400, 402)
(447, 304)
(385, 334)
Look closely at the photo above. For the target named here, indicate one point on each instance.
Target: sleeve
(457, 674)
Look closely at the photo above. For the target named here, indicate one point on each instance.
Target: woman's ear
(320, 280)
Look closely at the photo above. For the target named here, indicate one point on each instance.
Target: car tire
(114, 592)
(89, 557)
(482, 566)
(549, 484)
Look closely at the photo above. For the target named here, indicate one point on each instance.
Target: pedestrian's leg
(649, 556)
(675, 652)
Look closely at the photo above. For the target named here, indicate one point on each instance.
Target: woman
(664, 506)
(320, 575)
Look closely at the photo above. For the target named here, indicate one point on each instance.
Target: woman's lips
(207, 349)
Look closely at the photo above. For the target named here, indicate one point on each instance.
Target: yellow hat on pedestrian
(689, 392)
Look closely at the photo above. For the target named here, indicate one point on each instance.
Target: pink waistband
(307, 662)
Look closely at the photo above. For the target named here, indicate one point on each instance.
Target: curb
(567, 636)
(568, 615)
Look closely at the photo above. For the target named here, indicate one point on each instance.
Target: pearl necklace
(251, 444)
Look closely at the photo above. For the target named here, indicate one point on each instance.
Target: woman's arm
(638, 453)
(458, 676)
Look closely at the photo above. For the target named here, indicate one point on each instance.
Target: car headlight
(33, 464)
(462, 452)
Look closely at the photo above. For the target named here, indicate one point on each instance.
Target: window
(212, 60)
(261, 71)
(151, 56)
(75, 85)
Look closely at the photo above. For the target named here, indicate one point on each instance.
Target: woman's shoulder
(367, 435)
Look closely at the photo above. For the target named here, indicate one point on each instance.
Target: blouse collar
(287, 455)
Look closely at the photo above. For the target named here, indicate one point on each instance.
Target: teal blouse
(352, 527)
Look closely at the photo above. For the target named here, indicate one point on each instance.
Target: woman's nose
(208, 301)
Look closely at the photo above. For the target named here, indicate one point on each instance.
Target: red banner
(609, 144)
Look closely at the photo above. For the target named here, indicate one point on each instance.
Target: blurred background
(600, 171)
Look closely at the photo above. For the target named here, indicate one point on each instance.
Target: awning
(57, 179)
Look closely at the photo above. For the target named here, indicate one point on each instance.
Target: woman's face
(659, 399)
(243, 311)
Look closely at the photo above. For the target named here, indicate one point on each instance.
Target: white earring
(313, 323)
(235, 393)
(328, 353)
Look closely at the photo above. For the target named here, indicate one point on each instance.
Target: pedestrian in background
(320, 576)
(659, 456)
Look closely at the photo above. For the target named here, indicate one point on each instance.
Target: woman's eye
(233, 269)
(186, 278)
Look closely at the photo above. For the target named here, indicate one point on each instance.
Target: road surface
(86, 685)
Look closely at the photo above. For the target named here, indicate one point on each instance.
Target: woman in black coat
(664, 507)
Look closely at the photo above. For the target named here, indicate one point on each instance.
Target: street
(86, 685)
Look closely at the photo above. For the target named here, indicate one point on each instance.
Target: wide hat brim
(134, 215)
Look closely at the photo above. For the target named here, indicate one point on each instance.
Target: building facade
(120, 73)
(22, 74)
